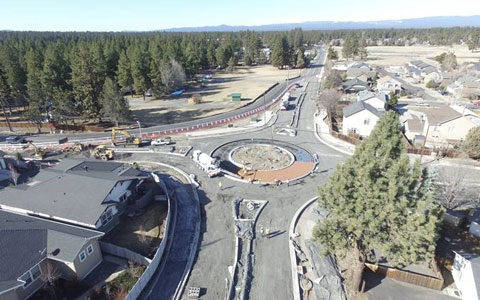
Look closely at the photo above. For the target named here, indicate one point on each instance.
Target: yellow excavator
(130, 140)
(38, 153)
(102, 152)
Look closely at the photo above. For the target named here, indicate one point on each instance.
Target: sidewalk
(322, 132)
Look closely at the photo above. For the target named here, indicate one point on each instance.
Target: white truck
(285, 101)
(208, 164)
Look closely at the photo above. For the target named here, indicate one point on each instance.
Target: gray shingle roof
(439, 115)
(69, 191)
(25, 241)
(358, 107)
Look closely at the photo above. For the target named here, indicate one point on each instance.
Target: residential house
(389, 85)
(440, 126)
(33, 248)
(87, 193)
(466, 274)
(360, 118)
(355, 85)
(423, 67)
(361, 73)
(432, 75)
(378, 100)
(465, 87)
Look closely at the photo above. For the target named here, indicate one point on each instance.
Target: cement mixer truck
(208, 164)
(285, 101)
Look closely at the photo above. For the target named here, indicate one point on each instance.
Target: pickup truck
(162, 141)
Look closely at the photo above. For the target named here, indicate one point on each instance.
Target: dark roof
(354, 82)
(74, 190)
(358, 107)
(25, 241)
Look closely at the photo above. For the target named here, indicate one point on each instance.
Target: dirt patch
(400, 55)
(262, 157)
(215, 95)
(143, 233)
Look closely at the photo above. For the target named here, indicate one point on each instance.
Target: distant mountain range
(428, 22)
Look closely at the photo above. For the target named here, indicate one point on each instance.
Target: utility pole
(140, 128)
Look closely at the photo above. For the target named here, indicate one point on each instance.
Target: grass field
(249, 81)
(398, 55)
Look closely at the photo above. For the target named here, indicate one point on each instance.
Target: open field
(400, 55)
(249, 81)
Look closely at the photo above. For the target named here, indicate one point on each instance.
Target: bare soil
(400, 55)
(216, 95)
(262, 157)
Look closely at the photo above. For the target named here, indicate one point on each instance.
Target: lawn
(143, 233)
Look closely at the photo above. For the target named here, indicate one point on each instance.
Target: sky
(145, 15)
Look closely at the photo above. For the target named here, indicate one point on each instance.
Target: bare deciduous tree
(50, 274)
(328, 100)
(13, 173)
(452, 191)
(173, 75)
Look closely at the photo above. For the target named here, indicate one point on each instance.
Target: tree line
(66, 73)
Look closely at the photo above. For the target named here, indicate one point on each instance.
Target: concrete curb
(194, 245)
(325, 142)
(293, 256)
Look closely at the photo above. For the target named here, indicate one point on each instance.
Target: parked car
(421, 104)
(476, 103)
(16, 139)
(162, 141)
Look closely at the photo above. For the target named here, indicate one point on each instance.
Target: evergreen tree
(377, 201)
(56, 71)
(332, 53)
(280, 52)
(34, 86)
(212, 60)
(362, 49)
(5, 96)
(11, 59)
(232, 63)
(87, 79)
(301, 60)
(114, 105)
(348, 48)
(472, 143)
(140, 69)
(124, 74)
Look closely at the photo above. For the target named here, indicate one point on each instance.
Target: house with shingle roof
(441, 126)
(32, 247)
(360, 118)
(88, 193)
(389, 85)
(466, 274)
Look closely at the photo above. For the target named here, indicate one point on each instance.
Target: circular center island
(261, 157)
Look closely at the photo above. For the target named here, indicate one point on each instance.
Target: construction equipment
(38, 153)
(102, 152)
(77, 147)
(208, 164)
(130, 140)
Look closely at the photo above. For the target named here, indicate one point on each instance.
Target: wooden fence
(435, 283)
(349, 139)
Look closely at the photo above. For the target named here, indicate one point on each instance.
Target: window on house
(31, 275)
(89, 249)
(366, 122)
(451, 128)
(436, 128)
(107, 216)
(82, 256)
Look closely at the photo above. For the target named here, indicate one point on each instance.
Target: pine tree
(348, 48)
(140, 69)
(34, 86)
(124, 74)
(300, 61)
(332, 53)
(5, 96)
(87, 79)
(10, 58)
(56, 71)
(113, 103)
(362, 49)
(280, 52)
(377, 201)
(212, 60)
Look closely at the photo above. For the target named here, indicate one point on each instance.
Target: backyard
(143, 233)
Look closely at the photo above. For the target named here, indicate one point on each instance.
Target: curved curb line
(293, 256)
(326, 143)
(194, 245)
